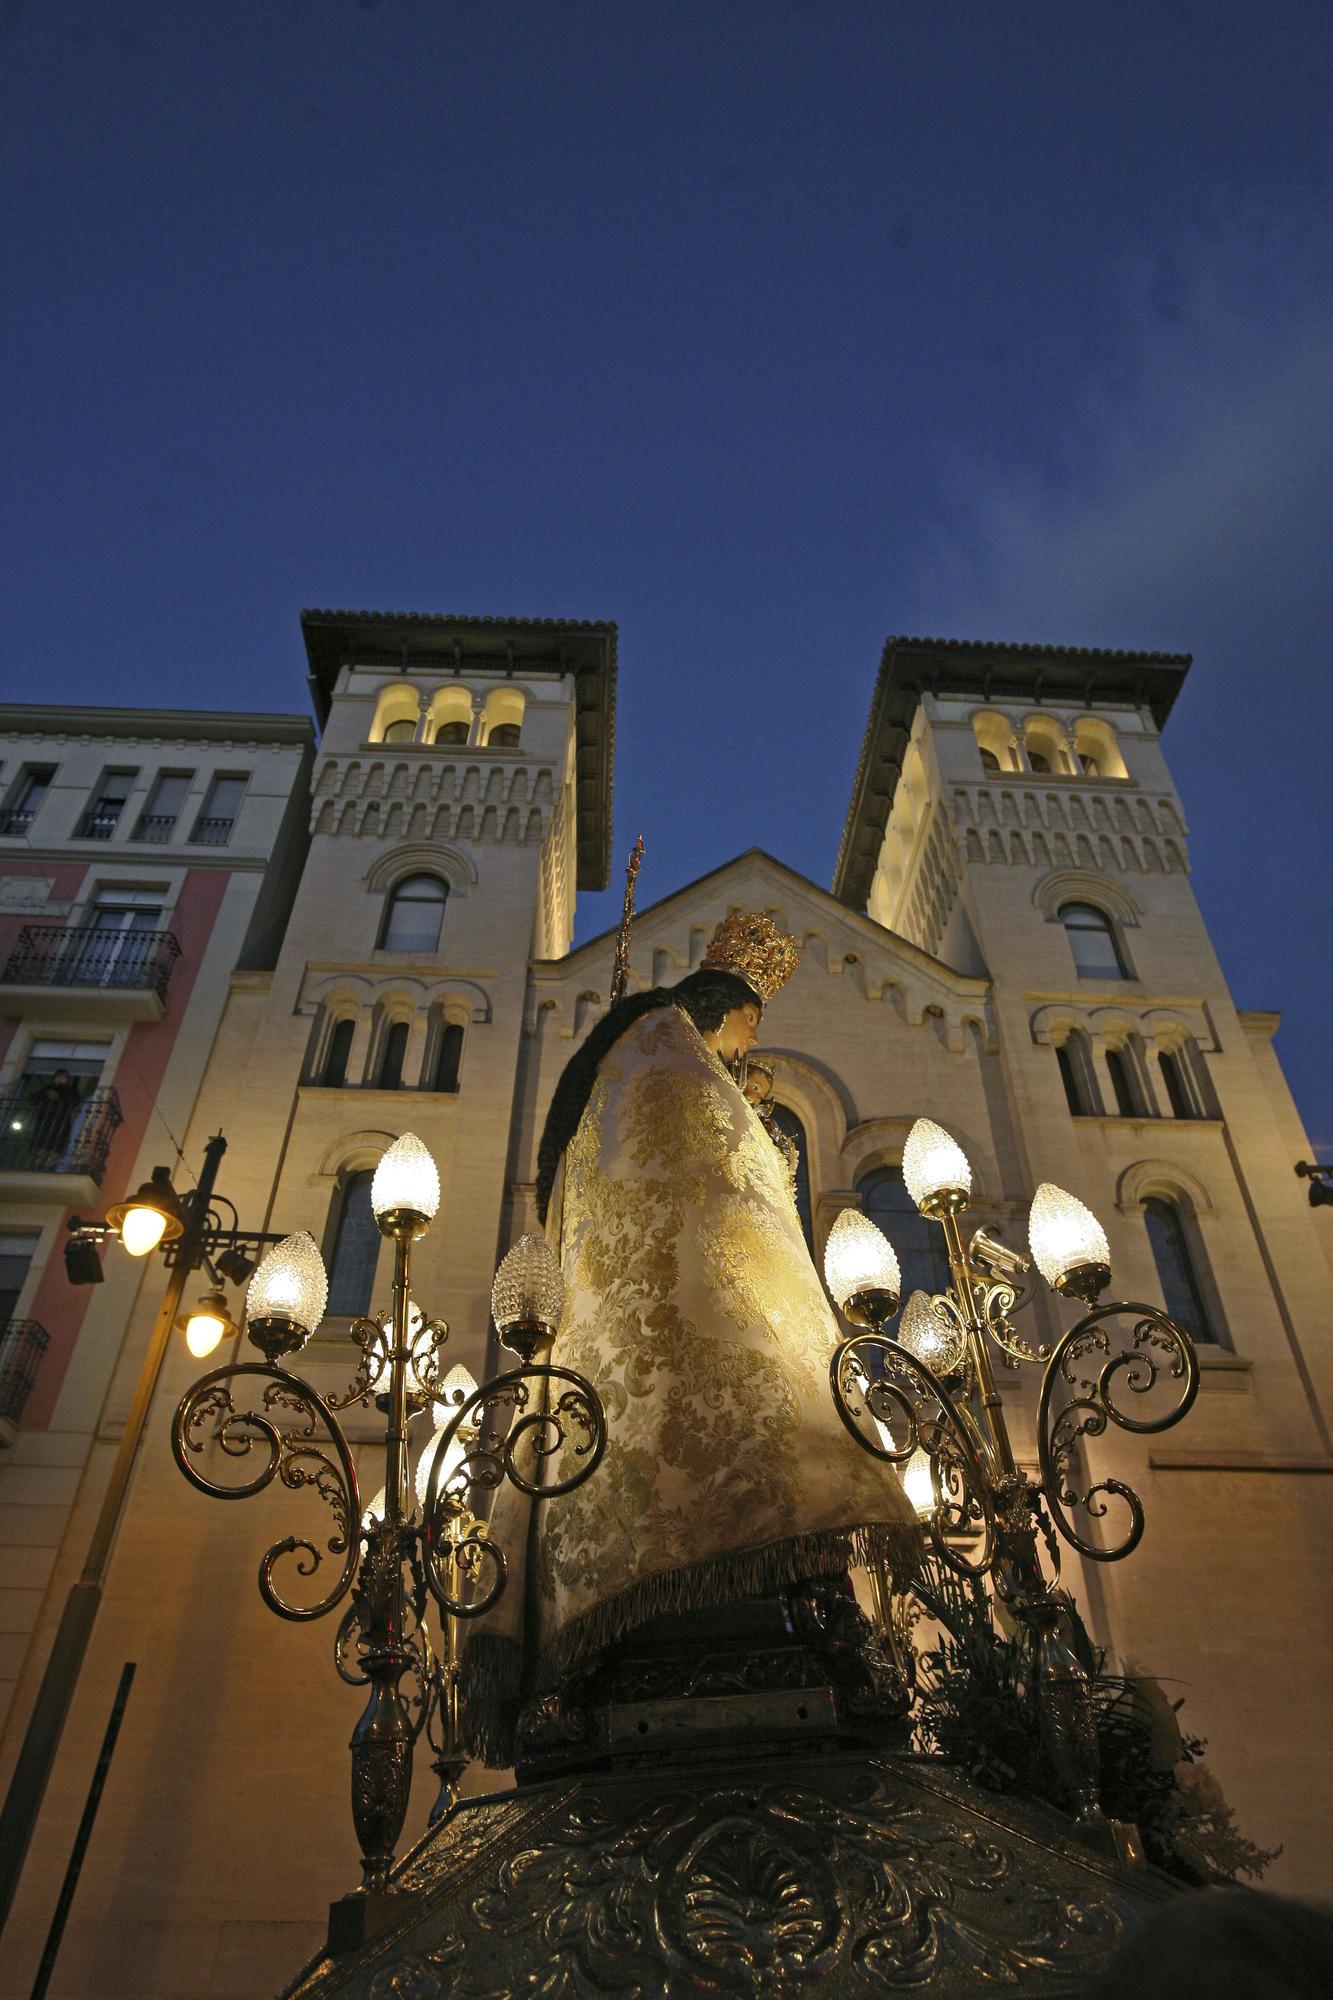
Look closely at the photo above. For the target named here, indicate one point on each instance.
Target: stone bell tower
(1014, 815)
(461, 796)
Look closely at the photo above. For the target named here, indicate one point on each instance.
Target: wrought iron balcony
(15, 821)
(98, 822)
(212, 832)
(88, 955)
(43, 1132)
(22, 1344)
(155, 828)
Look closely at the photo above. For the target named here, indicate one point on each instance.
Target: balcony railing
(155, 828)
(44, 1131)
(88, 955)
(15, 821)
(97, 822)
(212, 832)
(22, 1344)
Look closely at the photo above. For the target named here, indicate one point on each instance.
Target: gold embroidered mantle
(692, 1304)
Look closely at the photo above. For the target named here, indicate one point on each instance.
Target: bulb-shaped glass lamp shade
(931, 1336)
(290, 1284)
(1067, 1240)
(375, 1507)
(453, 1392)
(142, 1230)
(859, 1259)
(918, 1484)
(453, 1459)
(528, 1291)
(406, 1181)
(935, 1167)
(207, 1324)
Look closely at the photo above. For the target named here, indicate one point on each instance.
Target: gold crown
(749, 944)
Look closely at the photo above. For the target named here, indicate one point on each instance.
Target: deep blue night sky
(764, 328)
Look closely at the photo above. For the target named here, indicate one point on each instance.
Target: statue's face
(739, 1032)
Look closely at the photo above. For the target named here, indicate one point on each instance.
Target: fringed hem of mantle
(492, 1671)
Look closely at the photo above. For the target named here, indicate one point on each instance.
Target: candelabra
(539, 1425)
(927, 1403)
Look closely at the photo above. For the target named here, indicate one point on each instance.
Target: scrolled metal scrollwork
(374, 1363)
(553, 1410)
(296, 1455)
(1079, 1398)
(874, 1378)
(998, 1300)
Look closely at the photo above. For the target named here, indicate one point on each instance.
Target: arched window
(1093, 942)
(1097, 749)
(1076, 1074)
(1177, 1089)
(919, 1243)
(1117, 1068)
(995, 740)
(453, 732)
(504, 736)
(448, 1056)
(403, 731)
(1182, 1294)
(392, 1050)
(1039, 762)
(340, 1048)
(356, 1249)
(788, 1122)
(414, 914)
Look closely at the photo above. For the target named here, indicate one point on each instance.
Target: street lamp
(418, 1538)
(910, 1402)
(152, 1216)
(207, 1324)
(192, 1233)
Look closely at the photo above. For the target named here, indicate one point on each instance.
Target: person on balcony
(52, 1108)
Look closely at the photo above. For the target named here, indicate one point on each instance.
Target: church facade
(1010, 945)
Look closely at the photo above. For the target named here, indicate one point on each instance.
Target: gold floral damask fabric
(692, 1304)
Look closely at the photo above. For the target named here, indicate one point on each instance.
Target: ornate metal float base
(834, 1873)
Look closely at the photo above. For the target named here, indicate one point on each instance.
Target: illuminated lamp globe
(285, 1299)
(861, 1270)
(206, 1325)
(935, 1169)
(142, 1230)
(453, 1458)
(935, 1340)
(1069, 1245)
(919, 1484)
(150, 1217)
(527, 1296)
(374, 1508)
(452, 1393)
(405, 1192)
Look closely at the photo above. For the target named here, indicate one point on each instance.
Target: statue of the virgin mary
(692, 1304)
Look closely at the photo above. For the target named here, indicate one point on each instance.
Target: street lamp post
(910, 1403)
(191, 1233)
(418, 1539)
